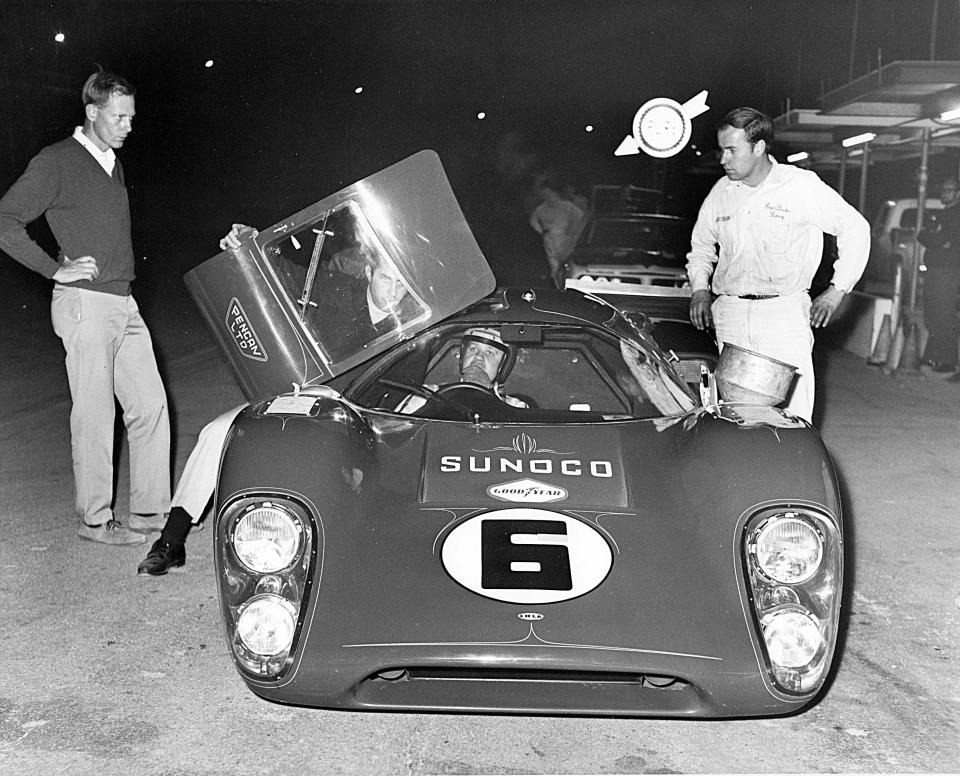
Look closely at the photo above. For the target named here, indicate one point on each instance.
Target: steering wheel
(454, 387)
(460, 410)
(482, 401)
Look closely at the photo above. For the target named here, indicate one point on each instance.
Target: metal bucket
(745, 376)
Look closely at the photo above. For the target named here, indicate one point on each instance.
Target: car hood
(654, 517)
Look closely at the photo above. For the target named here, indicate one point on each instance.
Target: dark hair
(101, 86)
(755, 125)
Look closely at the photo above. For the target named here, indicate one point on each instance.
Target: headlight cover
(793, 559)
(267, 538)
(266, 625)
(788, 549)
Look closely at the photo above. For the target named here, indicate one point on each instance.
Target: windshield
(548, 374)
(633, 240)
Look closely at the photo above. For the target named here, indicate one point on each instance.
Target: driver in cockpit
(485, 360)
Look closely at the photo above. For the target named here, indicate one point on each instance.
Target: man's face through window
(386, 287)
(949, 193)
(479, 363)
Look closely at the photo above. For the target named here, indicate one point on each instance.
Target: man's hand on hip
(700, 314)
(824, 306)
(84, 268)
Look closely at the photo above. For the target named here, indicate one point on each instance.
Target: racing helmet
(491, 337)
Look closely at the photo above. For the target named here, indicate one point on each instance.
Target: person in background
(78, 184)
(756, 246)
(941, 284)
(556, 220)
(570, 193)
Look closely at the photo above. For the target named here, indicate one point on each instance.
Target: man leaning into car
(768, 220)
(354, 311)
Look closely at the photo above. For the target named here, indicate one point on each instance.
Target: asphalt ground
(103, 672)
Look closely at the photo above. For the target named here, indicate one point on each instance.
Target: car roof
(541, 306)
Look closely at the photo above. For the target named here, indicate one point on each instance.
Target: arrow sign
(661, 127)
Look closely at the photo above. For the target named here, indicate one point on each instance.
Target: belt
(758, 296)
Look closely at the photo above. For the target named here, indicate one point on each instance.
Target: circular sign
(661, 128)
(526, 556)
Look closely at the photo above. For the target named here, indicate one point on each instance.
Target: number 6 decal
(518, 554)
(526, 556)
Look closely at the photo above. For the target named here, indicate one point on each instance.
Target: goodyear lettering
(482, 464)
(527, 491)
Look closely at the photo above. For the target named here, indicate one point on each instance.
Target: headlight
(793, 638)
(788, 549)
(793, 567)
(267, 538)
(266, 625)
(264, 550)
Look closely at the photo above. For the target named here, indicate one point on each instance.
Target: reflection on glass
(346, 289)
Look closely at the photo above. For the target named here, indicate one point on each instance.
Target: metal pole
(933, 30)
(864, 168)
(853, 36)
(921, 206)
(841, 182)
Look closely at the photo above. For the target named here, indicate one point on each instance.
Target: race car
(575, 532)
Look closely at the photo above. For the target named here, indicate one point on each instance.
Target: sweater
(88, 212)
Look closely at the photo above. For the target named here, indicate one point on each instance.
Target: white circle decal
(526, 556)
(661, 127)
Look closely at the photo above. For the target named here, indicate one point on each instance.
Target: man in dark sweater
(78, 185)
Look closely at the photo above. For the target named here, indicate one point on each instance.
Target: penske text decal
(526, 556)
(243, 334)
(578, 465)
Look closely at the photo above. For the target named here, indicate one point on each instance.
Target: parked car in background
(893, 241)
(636, 248)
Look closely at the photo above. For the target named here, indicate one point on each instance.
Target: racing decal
(526, 556)
(580, 465)
(244, 336)
(291, 405)
(527, 491)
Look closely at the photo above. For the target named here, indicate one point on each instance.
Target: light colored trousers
(199, 478)
(109, 353)
(778, 328)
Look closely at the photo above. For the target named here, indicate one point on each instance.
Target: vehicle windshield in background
(633, 240)
(555, 374)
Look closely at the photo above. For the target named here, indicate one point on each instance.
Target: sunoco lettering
(570, 467)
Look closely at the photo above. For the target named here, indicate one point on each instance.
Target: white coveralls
(770, 240)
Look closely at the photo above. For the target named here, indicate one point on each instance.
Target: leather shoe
(111, 532)
(147, 523)
(162, 557)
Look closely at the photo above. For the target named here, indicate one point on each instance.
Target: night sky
(276, 123)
